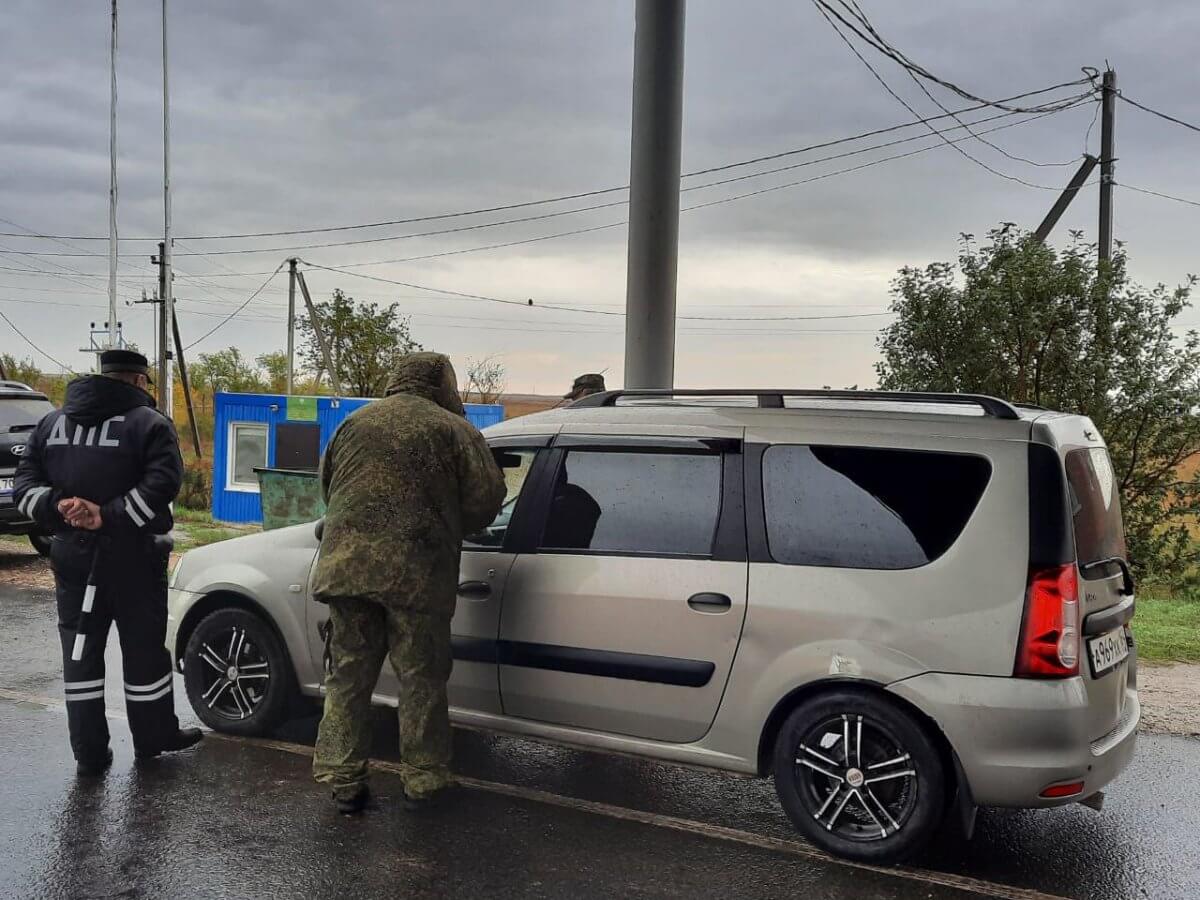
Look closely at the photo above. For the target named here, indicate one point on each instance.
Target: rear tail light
(1049, 645)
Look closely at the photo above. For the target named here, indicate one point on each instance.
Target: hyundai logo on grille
(17, 450)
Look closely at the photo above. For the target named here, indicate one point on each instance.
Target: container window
(248, 450)
(664, 504)
(867, 508)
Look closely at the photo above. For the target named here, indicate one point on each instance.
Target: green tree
(275, 366)
(364, 339)
(25, 370)
(1021, 321)
(225, 370)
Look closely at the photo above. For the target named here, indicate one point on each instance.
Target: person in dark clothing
(100, 474)
(585, 385)
(574, 515)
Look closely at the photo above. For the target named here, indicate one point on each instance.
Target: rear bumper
(1015, 737)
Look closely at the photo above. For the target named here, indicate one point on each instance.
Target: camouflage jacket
(404, 479)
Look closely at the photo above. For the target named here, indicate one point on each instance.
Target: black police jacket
(108, 444)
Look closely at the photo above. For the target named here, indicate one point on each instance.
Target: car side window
(867, 507)
(515, 464)
(646, 503)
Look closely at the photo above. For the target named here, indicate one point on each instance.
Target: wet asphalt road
(240, 819)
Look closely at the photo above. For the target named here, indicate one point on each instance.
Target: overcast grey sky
(304, 114)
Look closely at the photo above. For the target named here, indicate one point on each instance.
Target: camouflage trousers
(364, 633)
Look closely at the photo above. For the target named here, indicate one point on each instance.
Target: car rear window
(867, 508)
(663, 504)
(1095, 506)
(19, 411)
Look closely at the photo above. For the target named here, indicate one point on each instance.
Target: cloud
(306, 114)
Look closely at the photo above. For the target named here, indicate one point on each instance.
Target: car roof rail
(21, 394)
(774, 399)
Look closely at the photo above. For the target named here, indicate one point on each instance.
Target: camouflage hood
(430, 376)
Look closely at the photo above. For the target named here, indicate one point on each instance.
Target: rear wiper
(1127, 587)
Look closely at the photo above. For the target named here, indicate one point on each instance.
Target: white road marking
(673, 823)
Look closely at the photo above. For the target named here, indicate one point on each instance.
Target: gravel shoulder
(1170, 696)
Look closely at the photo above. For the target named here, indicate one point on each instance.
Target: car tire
(41, 543)
(238, 675)
(875, 795)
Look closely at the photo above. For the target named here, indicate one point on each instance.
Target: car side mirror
(319, 528)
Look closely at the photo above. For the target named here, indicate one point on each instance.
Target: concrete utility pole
(291, 319)
(654, 194)
(167, 290)
(319, 333)
(1064, 199)
(1108, 98)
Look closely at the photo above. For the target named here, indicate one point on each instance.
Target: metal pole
(654, 194)
(1065, 198)
(168, 288)
(1108, 97)
(291, 319)
(112, 186)
(164, 335)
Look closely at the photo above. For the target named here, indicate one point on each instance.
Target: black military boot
(352, 804)
(91, 768)
(183, 738)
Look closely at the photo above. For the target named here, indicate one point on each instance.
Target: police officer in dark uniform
(101, 474)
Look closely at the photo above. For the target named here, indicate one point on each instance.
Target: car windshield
(18, 411)
(1095, 506)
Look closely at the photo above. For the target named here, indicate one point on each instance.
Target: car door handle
(475, 590)
(709, 603)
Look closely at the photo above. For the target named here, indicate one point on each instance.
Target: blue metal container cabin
(247, 421)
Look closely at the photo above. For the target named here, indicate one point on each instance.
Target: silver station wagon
(901, 606)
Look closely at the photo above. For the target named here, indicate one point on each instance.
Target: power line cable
(877, 42)
(825, 9)
(235, 313)
(585, 309)
(723, 200)
(1155, 112)
(575, 196)
(928, 93)
(1130, 187)
(26, 339)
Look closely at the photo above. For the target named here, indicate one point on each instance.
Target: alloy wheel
(236, 674)
(855, 778)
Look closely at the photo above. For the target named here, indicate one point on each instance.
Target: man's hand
(80, 513)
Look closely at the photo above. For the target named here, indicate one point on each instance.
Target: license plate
(1108, 651)
(6, 485)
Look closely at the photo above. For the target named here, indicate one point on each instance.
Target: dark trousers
(131, 591)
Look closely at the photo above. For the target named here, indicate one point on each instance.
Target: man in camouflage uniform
(584, 385)
(404, 479)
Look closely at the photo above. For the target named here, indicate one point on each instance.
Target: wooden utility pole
(187, 388)
(1108, 100)
(291, 326)
(321, 342)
